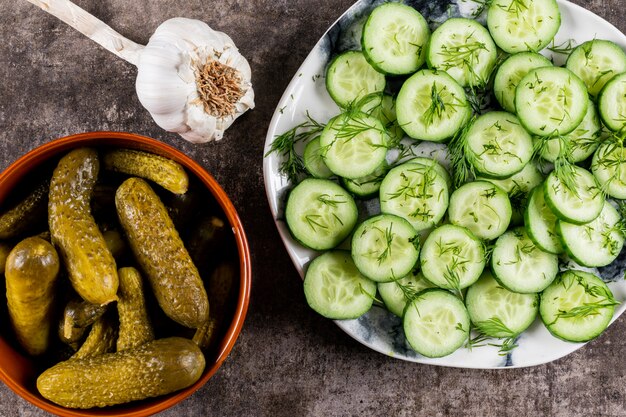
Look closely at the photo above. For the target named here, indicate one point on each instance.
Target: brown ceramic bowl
(19, 372)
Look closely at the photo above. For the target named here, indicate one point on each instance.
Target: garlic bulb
(191, 78)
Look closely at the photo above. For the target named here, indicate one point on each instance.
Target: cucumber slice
(523, 25)
(394, 39)
(368, 186)
(432, 106)
(551, 101)
(520, 266)
(611, 103)
(398, 293)
(354, 144)
(577, 306)
(498, 145)
(574, 195)
(577, 145)
(334, 287)
(481, 207)
(385, 247)
(498, 312)
(510, 73)
(596, 62)
(313, 161)
(452, 257)
(416, 193)
(434, 164)
(518, 187)
(349, 77)
(594, 244)
(464, 49)
(609, 167)
(320, 214)
(540, 222)
(436, 323)
(383, 107)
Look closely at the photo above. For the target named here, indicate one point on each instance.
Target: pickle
(115, 243)
(101, 339)
(5, 248)
(31, 271)
(135, 327)
(161, 254)
(206, 335)
(163, 171)
(205, 239)
(78, 315)
(89, 262)
(156, 368)
(26, 215)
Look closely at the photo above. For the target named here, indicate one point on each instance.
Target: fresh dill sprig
(564, 48)
(293, 165)
(461, 157)
(494, 325)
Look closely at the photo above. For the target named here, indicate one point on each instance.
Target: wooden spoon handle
(92, 27)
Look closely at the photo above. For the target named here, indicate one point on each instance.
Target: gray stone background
(288, 360)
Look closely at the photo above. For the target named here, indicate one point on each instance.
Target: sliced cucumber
(432, 106)
(464, 49)
(574, 195)
(334, 287)
(498, 312)
(398, 293)
(383, 107)
(518, 187)
(498, 145)
(394, 39)
(594, 244)
(416, 193)
(510, 73)
(551, 101)
(313, 161)
(320, 214)
(368, 186)
(452, 257)
(577, 145)
(354, 144)
(385, 247)
(540, 222)
(609, 167)
(577, 306)
(523, 25)
(350, 77)
(434, 164)
(482, 207)
(596, 62)
(520, 266)
(611, 103)
(436, 323)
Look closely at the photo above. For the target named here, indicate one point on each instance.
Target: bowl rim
(20, 167)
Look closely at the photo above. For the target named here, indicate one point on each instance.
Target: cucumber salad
(503, 223)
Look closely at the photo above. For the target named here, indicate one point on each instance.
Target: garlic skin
(167, 73)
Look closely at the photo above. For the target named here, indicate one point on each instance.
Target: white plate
(379, 329)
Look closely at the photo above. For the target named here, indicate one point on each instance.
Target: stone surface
(288, 361)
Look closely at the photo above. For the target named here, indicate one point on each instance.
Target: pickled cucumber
(31, 271)
(78, 315)
(206, 335)
(101, 339)
(153, 369)
(135, 327)
(163, 171)
(161, 254)
(5, 248)
(89, 262)
(26, 215)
